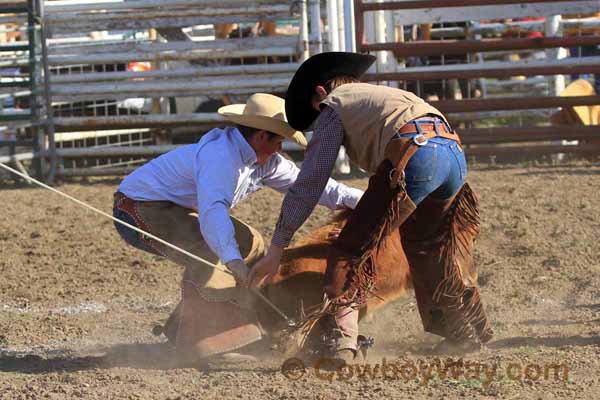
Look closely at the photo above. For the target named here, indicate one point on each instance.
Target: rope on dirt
(135, 228)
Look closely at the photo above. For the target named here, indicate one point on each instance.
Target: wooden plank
(492, 70)
(513, 103)
(68, 124)
(137, 89)
(275, 87)
(437, 47)
(107, 171)
(13, 47)
(468, 73)
(58, 7)
(112, 58)
(15, 117)
(149, 46)
(117, 151)
(532, 150)
(179, 73)
(448, 33)
(528, 134)
(216, 91)
(17, 157)
(359, 23)
(78, 17)
(129, 151)
(578, 26)
(181, 22)
(126, 151)
(12, 7)
(430, 4)
(569, 25)
(448, 14)
(70, 135)
(519, 87)
(13, 19)
(541, 116)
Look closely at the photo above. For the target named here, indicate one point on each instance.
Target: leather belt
(129, 206)
(426, 131)
(399, 152)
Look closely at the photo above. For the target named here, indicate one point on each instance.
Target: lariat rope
(255, 291)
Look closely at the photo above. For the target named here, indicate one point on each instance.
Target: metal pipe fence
(464, 65)
(136, 86)
(127, 76)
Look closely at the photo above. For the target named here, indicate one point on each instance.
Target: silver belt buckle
(420, 139)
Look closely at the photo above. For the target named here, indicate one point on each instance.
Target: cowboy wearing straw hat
(184, 197)
(418, 184)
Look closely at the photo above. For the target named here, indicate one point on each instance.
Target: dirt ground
(77, 305)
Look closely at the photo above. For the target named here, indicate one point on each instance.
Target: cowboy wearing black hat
(418, 186)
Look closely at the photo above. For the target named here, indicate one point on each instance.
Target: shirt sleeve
(216, 186)
(335, 196)
(303, 195)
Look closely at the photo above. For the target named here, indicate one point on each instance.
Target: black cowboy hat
(315, 71)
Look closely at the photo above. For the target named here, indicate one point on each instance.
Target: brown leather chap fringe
(374, 218)
(461, 226)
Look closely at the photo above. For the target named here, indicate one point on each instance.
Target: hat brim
(579, 87)
(316, 71)
(235, 113)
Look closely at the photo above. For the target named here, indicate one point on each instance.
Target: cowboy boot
(343, 277)
(341, 336)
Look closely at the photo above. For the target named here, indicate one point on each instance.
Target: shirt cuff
(231, 254)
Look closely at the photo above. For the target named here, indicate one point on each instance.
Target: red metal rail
(485, 138)
(437, 47)
(513, 103)
(360, 8)
(483, 73)
(411, 5)
(528, 134)
(535, 150)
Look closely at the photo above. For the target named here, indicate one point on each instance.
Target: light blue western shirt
(213, 175)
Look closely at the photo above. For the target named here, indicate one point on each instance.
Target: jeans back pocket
(422, 165)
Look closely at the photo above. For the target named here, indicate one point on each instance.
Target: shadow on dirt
(151, 356)
(557, 322)
(522, 341)
(561, 171)
(593, 307)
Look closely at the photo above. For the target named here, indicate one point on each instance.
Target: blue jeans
(438, 168)
(130, 236)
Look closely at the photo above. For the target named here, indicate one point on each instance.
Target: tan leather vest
(371, 115)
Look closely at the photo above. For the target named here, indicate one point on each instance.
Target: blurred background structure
(97, 87)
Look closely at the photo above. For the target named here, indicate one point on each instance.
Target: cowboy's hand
(264, 270)
(239, 270)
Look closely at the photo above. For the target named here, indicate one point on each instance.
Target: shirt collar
(247, 153)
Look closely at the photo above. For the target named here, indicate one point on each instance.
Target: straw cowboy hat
(263, 111)
(586, 115)
(315, 71)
